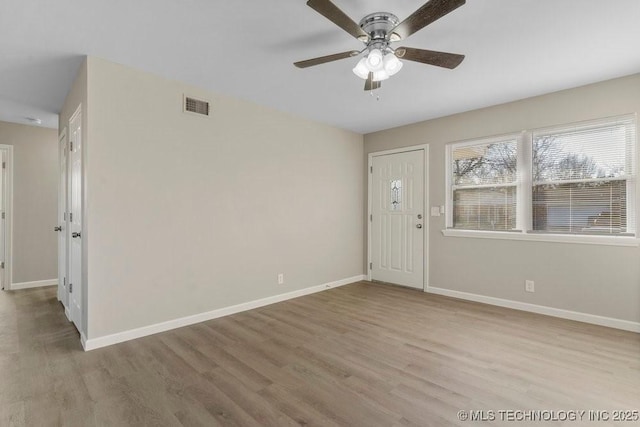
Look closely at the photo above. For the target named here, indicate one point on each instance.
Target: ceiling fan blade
(425, 15)
(324, 59)
(431, 57)
(338, 17)
(370, 84)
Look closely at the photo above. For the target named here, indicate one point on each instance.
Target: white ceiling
(515, 49)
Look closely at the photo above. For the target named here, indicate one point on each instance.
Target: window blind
(583, 177)
(484, 177)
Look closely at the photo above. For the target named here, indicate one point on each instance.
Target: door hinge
(4, 165)
(2, 264)
(71, 146)
(70, 288)
(370, 266)
(3, 215)
(64, 282)
(70, 216)
(371, 218)
(371, 169)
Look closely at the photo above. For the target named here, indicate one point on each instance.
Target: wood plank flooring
(360, 355)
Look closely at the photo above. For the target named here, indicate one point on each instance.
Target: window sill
(553, 238)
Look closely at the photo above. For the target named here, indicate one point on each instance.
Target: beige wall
(599, 280)
(35, 192)
(189, 214)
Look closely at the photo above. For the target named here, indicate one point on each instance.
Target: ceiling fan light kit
(384, 68)
(377, 31)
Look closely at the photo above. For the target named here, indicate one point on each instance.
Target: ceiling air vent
(196, 106)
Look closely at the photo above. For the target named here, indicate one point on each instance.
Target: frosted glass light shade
(392, 64)
(361, 69)
(374, 60)
(380, 75)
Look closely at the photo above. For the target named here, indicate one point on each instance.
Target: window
(484, 184)
(396, 195)
(575, 179)
(582, 177)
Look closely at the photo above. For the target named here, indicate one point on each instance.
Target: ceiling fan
(377, 31)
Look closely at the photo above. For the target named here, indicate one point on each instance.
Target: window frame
(524, 190)
(450, 186)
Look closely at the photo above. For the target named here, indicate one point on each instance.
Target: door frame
(63, 296)
(7, 273)
(425, 261)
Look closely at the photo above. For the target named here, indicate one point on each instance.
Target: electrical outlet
(280, 278)
(529, 286)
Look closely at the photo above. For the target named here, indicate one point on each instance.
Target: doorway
(398, 227)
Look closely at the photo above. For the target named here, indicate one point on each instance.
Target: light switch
(435, 210)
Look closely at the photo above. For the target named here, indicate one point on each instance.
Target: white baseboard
(36, 284)
(67, 313)
(610, 322)
(94, 343)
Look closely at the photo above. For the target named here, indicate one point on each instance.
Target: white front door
(75, 220)
(61, 228)
(397, 218)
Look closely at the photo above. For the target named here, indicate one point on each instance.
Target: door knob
(75, 235)
(57, 228)
(419, 216)
(419, 226)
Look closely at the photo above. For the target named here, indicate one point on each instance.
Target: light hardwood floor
(360, 355)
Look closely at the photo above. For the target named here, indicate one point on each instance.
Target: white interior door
(397, 218)
(61, 228)
(75, 220)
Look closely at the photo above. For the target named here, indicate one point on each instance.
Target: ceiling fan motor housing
(379, 25)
